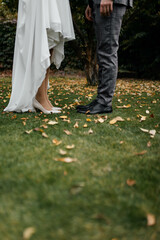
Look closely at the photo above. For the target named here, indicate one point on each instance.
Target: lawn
(105, 187)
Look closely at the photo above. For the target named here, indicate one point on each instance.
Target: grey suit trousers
(107, 30)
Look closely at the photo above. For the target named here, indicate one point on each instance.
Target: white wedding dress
(42, 25)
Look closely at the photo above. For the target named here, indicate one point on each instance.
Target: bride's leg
(46, 86)
(41, 95)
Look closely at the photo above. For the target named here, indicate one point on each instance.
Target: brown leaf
(67, 132)
(45, 120)
(151, 220)
(131, 182)
(28, 232)
(56, 142)
(141, 153)
(66, 160)
(38, 130)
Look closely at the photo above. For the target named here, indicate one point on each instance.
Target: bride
(42, 29)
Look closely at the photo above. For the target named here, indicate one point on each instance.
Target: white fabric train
(42, 25)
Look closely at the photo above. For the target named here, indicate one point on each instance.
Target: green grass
(88, 199)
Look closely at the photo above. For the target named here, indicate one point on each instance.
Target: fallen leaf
(14, 117)
(151, 220)
(117, 119)
(67, 132)
(29, 131)
(147, 111)
(66, 160)
(152, 132)
(62, 152)
(63, 117)
(76, 125)
(124, 106)
(28, 232)
(38, 130)
(149, 144)
(121, 142)
(44, 126)
(152, 115)
(85, 125)
(56, 142)
(131, 182)
(88, 120)
(141, 153)
(52, 123)
(100, 120)
(69, 147)
(45, 120)
(44, 135)
(144, 130)
(90, 131)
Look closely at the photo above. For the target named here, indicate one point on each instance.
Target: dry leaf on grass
(90, 131)
(85, 125)
(66, 160)
(29, 131)
(124, 106)
(115, 120)
(69, 147)
(100, 120)
(52, 123)
(67, 132)
(151, 220)
(28, 232)
(44, 135)
(88, 120)
(131, 182)
(149, 144)
(76, 125)
(62, 152)
(63, 117)
(56, 142)
(141, 153)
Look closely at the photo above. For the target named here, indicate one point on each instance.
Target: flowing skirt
(42, 25)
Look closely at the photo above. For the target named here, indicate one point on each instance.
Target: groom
(107, 16)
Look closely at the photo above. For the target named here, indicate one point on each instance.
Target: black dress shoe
(86, 107)
(96, 109)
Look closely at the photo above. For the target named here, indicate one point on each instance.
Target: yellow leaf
(63, 117)
(29, 131)
(117, 119)
(88, 120)
(85, 125)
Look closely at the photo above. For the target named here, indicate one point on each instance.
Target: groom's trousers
(107, 30)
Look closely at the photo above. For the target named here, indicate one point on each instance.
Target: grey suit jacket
(128, 3)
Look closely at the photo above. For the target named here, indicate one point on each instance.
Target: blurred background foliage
(139, 53)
